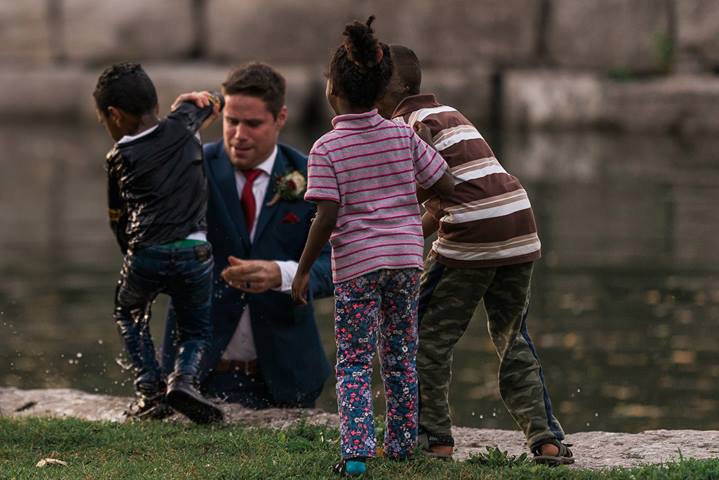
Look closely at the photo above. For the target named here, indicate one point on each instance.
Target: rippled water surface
(625, 300)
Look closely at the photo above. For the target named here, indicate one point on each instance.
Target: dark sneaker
(148, 408)
(184, 397)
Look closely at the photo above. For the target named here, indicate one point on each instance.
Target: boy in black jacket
(157, 196)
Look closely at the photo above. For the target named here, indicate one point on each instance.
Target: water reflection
(624, 302)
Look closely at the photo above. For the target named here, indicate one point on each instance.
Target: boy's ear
(115, 115)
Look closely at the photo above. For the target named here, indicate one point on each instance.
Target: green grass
(172, 451)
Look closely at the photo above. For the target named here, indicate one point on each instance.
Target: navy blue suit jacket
(289, 353)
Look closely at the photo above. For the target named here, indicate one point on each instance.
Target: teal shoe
(351, 467)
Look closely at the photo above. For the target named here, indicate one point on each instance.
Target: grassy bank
(171, 451)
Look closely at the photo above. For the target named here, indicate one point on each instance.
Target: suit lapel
(227, 184)
(267, 212)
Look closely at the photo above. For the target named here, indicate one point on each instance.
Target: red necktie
(248, 199)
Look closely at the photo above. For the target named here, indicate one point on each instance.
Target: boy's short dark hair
(407, 66)
(259, 80)
(125, 86)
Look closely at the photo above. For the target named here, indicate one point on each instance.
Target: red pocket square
(290, 218)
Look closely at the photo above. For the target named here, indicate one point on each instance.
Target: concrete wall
(524, 63)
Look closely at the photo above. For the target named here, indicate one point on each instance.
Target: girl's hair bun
(361, 45)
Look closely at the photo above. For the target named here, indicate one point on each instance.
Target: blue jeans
(185, 274)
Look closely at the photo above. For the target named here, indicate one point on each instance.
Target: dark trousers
(185, 274)
(448, 299)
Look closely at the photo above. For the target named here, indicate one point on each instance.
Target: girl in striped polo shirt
(363, 176)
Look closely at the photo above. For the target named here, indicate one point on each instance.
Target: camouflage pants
(448, 299)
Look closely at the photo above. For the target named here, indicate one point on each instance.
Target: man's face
(394, 93)
(249, 130)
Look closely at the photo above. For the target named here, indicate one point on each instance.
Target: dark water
(625, 301)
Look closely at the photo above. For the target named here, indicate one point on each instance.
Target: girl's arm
(444, 187)
(429, 224)
(320, 231)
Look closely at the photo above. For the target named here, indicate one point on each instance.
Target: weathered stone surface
(461, 32)
(137, 30)
(545, 98)
(45, 93)
(678, 104)
(610, 35)
(550, 99)
(470, 90)
(281, 31)
(24, 33)
(592, 449)
(698, 31)
(457, 33)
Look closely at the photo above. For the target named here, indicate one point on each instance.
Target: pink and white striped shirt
(369, 166)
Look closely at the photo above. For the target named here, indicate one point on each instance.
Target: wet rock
(592, 449)
(631, 36)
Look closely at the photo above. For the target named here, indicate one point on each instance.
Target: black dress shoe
(148, 408)
(184, 397)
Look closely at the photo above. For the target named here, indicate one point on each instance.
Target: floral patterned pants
(377, 308)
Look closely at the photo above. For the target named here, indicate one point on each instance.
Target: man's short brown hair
(259, 80)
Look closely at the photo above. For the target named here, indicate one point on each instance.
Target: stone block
(278, 31)
(698, 32)
(459, 32)
(24, 32)
(456, 32)
(685, 104)
(469, 90)
(551, 99)
(615, 36)
(44, 93)
(100, 32)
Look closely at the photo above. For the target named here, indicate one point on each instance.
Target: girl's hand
(424, 133)
(300, 285)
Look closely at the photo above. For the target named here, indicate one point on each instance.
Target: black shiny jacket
(157, 189)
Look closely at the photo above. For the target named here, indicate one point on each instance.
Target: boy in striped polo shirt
(487, 241)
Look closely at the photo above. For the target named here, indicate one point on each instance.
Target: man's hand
(252, 276)
(202, 100)
(300, 285)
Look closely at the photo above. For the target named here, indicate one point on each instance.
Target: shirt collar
(356, 121)
(129, 138)
(267, 165)
(413, 103)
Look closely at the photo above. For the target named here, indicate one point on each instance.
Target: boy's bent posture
(157, 201)
(486, 244)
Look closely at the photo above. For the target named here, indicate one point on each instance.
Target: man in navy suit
(265, 351)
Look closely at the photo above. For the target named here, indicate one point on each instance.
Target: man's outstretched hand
(252, 276)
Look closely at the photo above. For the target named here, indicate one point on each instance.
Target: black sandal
(564, 457)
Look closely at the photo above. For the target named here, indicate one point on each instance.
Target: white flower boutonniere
(291, 187)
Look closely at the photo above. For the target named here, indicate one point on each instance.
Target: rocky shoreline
(594, 450)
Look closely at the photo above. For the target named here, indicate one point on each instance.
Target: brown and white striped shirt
(488, 221)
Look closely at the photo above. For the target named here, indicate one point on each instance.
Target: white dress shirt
(242, 344)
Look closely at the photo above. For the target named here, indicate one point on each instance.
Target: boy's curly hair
(361, 67)
(125, 86)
